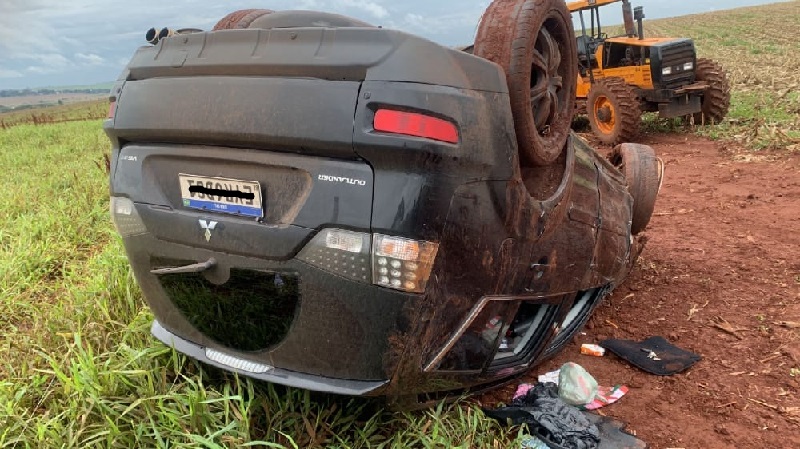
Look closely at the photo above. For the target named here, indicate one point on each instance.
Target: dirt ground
(723, 252)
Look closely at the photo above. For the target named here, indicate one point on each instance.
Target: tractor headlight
(666, 71)
(688, 66)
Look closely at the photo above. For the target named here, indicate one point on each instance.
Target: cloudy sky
(68, 42)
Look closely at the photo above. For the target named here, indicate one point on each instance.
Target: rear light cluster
(400, 263)
(112, 109)
(345, 253)
(415, 125)
(125, 217)
(392, 262)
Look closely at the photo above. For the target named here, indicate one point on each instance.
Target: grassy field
(78, 367)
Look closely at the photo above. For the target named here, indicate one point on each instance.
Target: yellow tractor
(623, 76)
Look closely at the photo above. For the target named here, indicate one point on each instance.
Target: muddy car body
(343, 210)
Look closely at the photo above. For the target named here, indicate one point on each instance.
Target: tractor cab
(628, 49)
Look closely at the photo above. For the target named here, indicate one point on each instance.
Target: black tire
(534, 42)
(643, 173)
(614, 111)
(717, 99)
(240, 19)
(305, 19)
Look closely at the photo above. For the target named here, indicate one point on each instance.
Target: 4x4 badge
(208, 226)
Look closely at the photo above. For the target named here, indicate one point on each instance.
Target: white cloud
(373, 8)
(4, 73)
(90, 59)
(48, 63)
(43, 42)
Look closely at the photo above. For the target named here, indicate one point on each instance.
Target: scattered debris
(551, 377)
(604, 396)
(651, 354)
(532, 442)
(694, 310)
(790, 413)
(613, 434)
(789, 324)
(555, 424)
(678, 212)
(655, 355)
(550, 419)
(723, 325)
(592, 349)
(575, 385)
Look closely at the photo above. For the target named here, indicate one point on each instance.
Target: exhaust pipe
(627, 17)
(638, 15)
(166, 32)
(151, 36)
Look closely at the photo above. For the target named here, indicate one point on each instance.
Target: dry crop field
(56, 114)
(78, 367)
(758, 48)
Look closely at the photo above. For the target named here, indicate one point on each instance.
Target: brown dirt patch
(724, 243)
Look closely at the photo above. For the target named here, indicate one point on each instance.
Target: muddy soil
(723, 252)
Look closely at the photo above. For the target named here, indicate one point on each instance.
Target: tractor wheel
(240, 19)
(717, 99)
(534, 42)
(614, 111)
(644, 172)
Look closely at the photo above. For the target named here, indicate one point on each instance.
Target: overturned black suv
(313, 201)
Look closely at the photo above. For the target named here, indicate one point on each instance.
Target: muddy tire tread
(506, 35)
(240, 19)
(717, 99)
(626, 105)
(640, 166)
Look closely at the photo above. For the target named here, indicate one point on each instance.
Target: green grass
(78, 367)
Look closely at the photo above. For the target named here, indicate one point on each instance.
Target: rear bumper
(276, 375)
(341, 332)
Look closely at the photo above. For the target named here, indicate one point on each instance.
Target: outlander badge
(208, 226)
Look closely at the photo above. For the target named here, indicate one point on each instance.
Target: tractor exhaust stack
(638, 15)
(627, 17)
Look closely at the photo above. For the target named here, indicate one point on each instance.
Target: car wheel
(534, 42)
(240, 19)
(643, 172)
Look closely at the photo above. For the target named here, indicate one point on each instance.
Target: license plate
(225, 195)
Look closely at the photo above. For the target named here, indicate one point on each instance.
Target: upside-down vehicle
(314, 201)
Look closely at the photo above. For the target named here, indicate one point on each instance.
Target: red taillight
(417, 125)
(112, 109)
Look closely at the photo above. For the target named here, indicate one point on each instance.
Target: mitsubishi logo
(208, 226)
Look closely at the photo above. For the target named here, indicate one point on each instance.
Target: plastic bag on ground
(575, 385)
